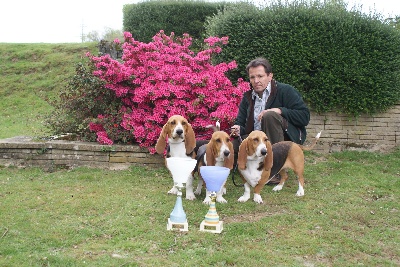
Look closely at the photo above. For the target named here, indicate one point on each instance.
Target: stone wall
(59, 154)
(368, 133)
(379, 132)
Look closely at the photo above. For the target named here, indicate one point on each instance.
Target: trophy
(215, 178)
(180, 169)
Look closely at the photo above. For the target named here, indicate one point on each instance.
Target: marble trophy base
(183, 227)
(212, 227)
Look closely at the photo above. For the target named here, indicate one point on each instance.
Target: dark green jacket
(290, 102)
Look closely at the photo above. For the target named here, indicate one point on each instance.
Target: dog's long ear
(229, 161)
(160, 145)
(210, 154)
(268, 161)
(190, 139)
(242, 155)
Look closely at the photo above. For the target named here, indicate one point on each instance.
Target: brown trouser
(273, 125)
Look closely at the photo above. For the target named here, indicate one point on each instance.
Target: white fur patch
(246, 194)
(251, 174)
(278, 187)
(221, 155)
(173, 191)
(179, 126)
(257, 198)
(243, 198)
(176, 143)
(207, 200)
(221, 199)
(300, 191)
(189, 188)
(260, 147)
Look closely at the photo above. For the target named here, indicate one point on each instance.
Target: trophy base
(178, 226)
(212, 228)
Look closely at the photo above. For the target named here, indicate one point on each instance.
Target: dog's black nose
(264, 151)
(226, 153)
(179, 132)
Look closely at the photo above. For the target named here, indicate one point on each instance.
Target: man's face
(259, 79)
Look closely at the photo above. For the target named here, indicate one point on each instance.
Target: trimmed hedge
(144, 20)
(338, 59)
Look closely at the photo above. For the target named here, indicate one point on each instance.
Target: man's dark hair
(259, 62)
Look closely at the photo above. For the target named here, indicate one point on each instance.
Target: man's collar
(254, 94)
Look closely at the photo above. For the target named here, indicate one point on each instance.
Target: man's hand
(235, 130)
(276, 110)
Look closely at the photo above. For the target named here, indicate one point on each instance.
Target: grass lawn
(349, 216)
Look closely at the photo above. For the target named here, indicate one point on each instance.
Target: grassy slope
(29, 73)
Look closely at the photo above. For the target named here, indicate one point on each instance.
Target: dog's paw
(243, 199)
(190, 196)
(207, 201)
(257, 198)
(278, 187)
(221, 200)
(300, 191)
(173, 191)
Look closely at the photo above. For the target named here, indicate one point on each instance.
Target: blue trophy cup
(215, 178)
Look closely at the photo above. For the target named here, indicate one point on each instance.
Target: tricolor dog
(218, 152)
(258, 161)
(181, 143)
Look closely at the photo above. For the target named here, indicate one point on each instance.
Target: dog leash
(236, 165)
(233, 177)
(241, 185)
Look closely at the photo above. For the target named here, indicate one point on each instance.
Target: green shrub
(144, 20)
(81, 102)
(340, 60)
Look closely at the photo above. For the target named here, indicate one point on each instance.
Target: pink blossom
(102, 138)
(95, 127)
(164, 77)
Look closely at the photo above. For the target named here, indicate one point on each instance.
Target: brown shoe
(275, 180)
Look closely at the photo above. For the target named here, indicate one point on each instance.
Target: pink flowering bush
(159, 79)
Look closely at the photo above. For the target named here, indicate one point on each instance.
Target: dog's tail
(216, 128)
(311, 146)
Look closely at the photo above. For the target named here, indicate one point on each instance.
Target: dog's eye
(265, 139)
(218, 140)
(183, 122)
(173, 122)
(255, 140)
(228, 140)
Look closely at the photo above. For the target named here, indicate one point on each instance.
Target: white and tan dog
(217, 152)
(181, 143)
(258, 161)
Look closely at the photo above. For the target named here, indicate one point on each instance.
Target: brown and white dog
(181, 143)
(217, 152)
(258, 161)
